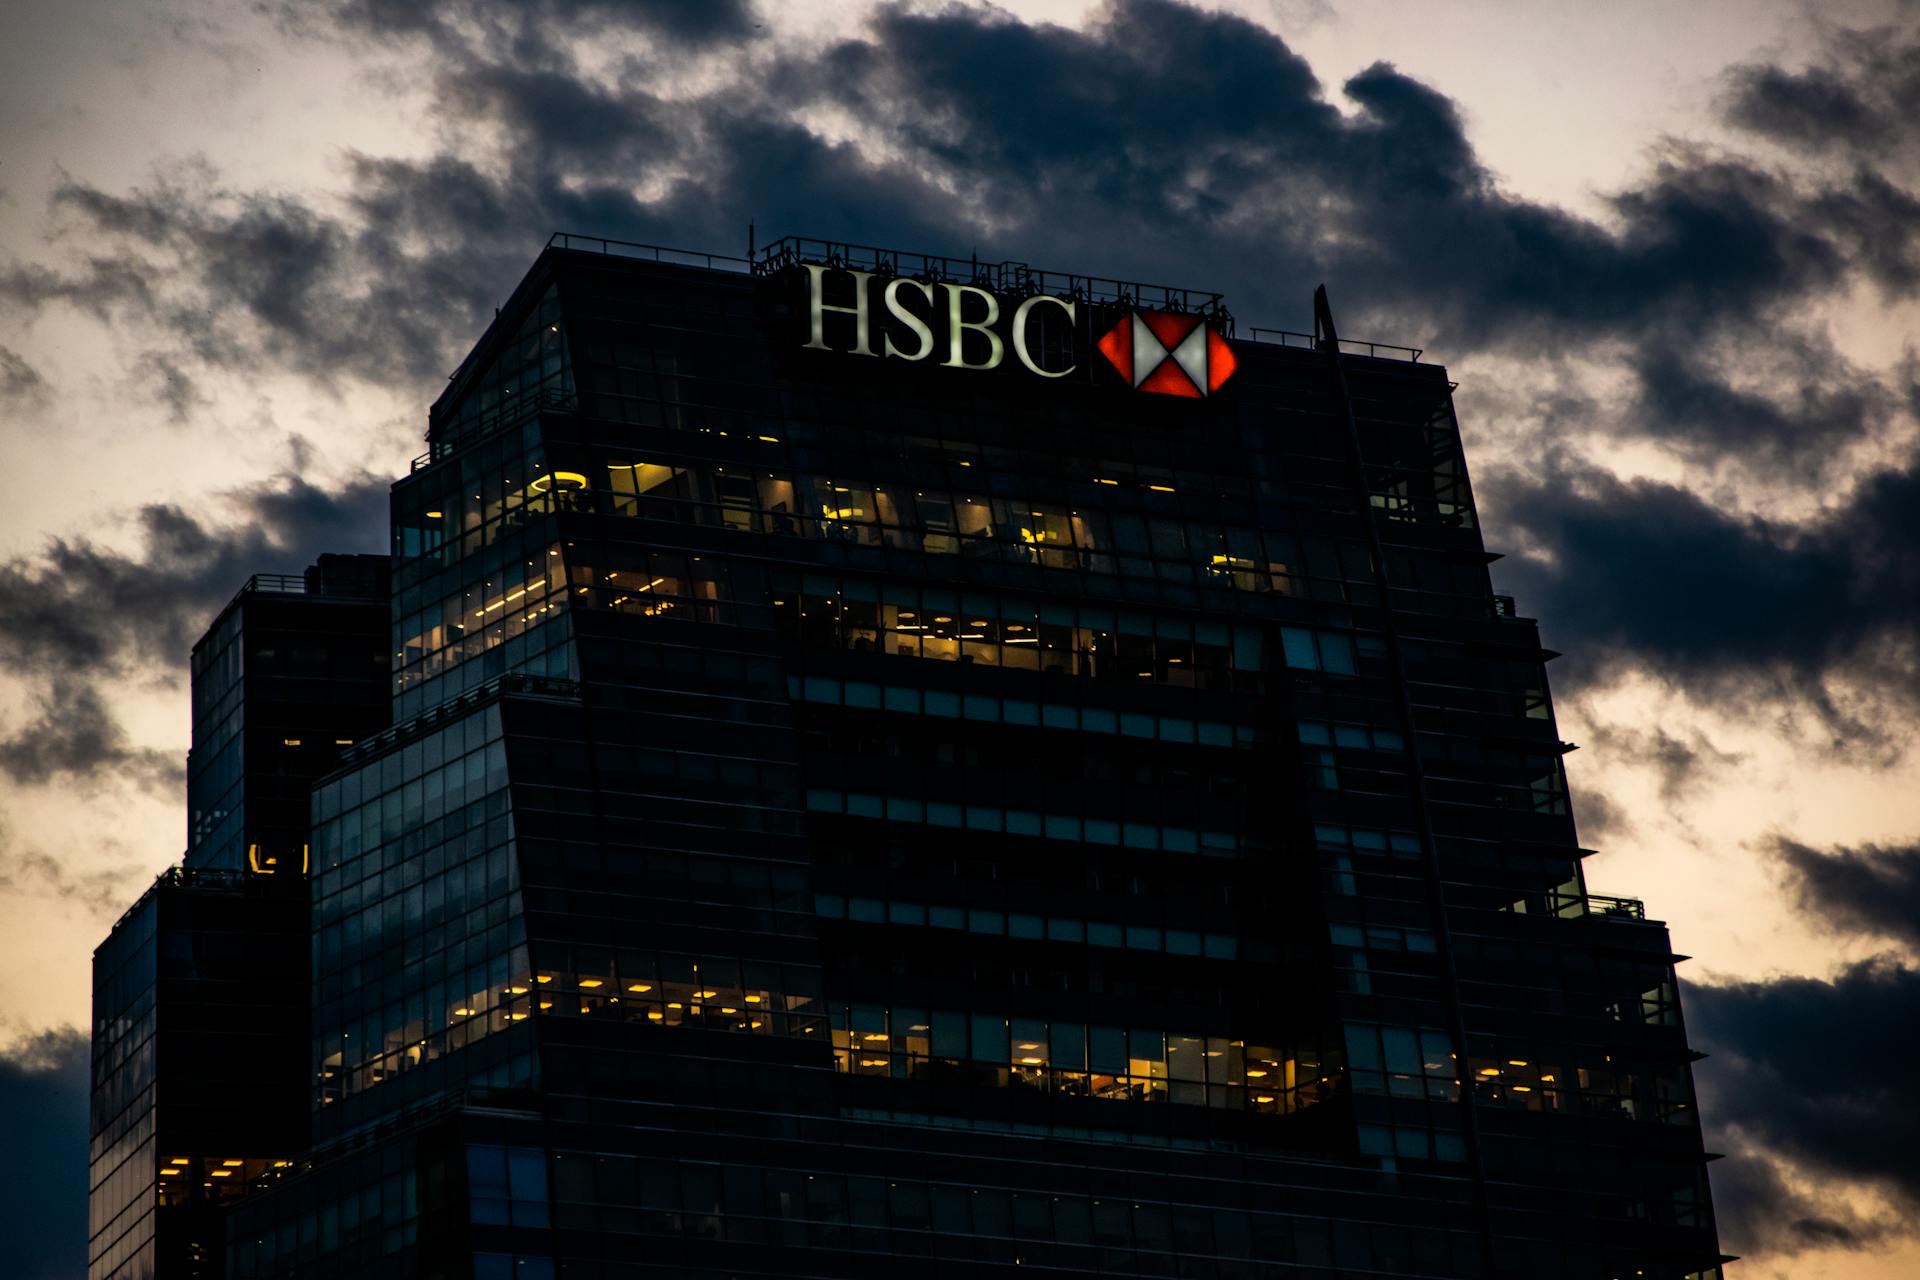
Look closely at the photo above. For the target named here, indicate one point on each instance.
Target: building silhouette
(906, 766)
(202, 991)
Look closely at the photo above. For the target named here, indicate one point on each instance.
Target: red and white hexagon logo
(1169, 354)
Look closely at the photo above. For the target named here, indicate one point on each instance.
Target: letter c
(1020, 314)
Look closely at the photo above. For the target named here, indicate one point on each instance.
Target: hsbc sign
(1042, 335)
(1168, 354)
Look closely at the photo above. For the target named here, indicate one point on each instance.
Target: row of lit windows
(1122, 1064)
(663, 1005)
(210, 1179)
(1655, 1092)
(937, 523)
(482, 616)
(1023, 636)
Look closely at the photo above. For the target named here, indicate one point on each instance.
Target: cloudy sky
(1670, 252)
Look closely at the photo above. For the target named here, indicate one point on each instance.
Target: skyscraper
(906, 765)
(201, 992)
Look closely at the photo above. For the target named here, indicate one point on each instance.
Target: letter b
(957, 328)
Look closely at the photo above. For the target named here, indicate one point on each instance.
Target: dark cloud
(77, 737)
(529, 27)
(1862, 98)
(1869, 888)
(1757, 1210)
(99, 286)
(1786, 409)
(20, 382)
(1682, 758)
(1599, 818)
(1819, 1074)
(43, 1111)
(78, 878)
(82, 609)
(1651, 576)
(81, 614)
(1159, 143)
(161, 376)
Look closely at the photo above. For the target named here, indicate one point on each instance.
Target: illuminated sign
(965, 326)
(1168, 354)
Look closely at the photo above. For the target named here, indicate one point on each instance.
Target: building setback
(904, 766)
(201, 993)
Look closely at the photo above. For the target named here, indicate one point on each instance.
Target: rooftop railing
(1350, 346)
(1576, 906)
(509, 414)
(648, 252)
(1002, 277)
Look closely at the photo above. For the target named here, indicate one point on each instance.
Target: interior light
(289, 742)
(516, 991)
(1031, 1062)
(435, 515)
(179, 1160)
(753, 999)
(463, 1013)
(771, 439)
(221, 1173)
(673, 1004)
(941, 617)
(1489, 1071)
(543, 977)
(1263, 1097)
(516, 1017)
(705, 995)
(881, 1035)
(1100, 480)
(640, 986)
(654, 1015)
(591, 982)
(726, 1010)
(1255, 1075)
(169, 1173)
(1161, 488)
(234, 1164)
(546, 1004)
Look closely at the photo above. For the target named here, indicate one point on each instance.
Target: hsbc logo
(1164, 353)
(1040, 335)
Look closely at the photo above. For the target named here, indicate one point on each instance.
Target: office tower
(291, 671)
(202, 990)
(904, 766)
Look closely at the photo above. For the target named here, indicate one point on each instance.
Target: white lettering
(818, 306)
(1020, 314)
(957, 328)
(906, 317)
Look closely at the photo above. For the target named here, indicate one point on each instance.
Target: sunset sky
(1670, 252)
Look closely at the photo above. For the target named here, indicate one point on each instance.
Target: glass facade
(202, 993)
(850, 817)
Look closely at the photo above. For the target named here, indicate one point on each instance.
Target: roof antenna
(749, 242)
(1323, 331)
